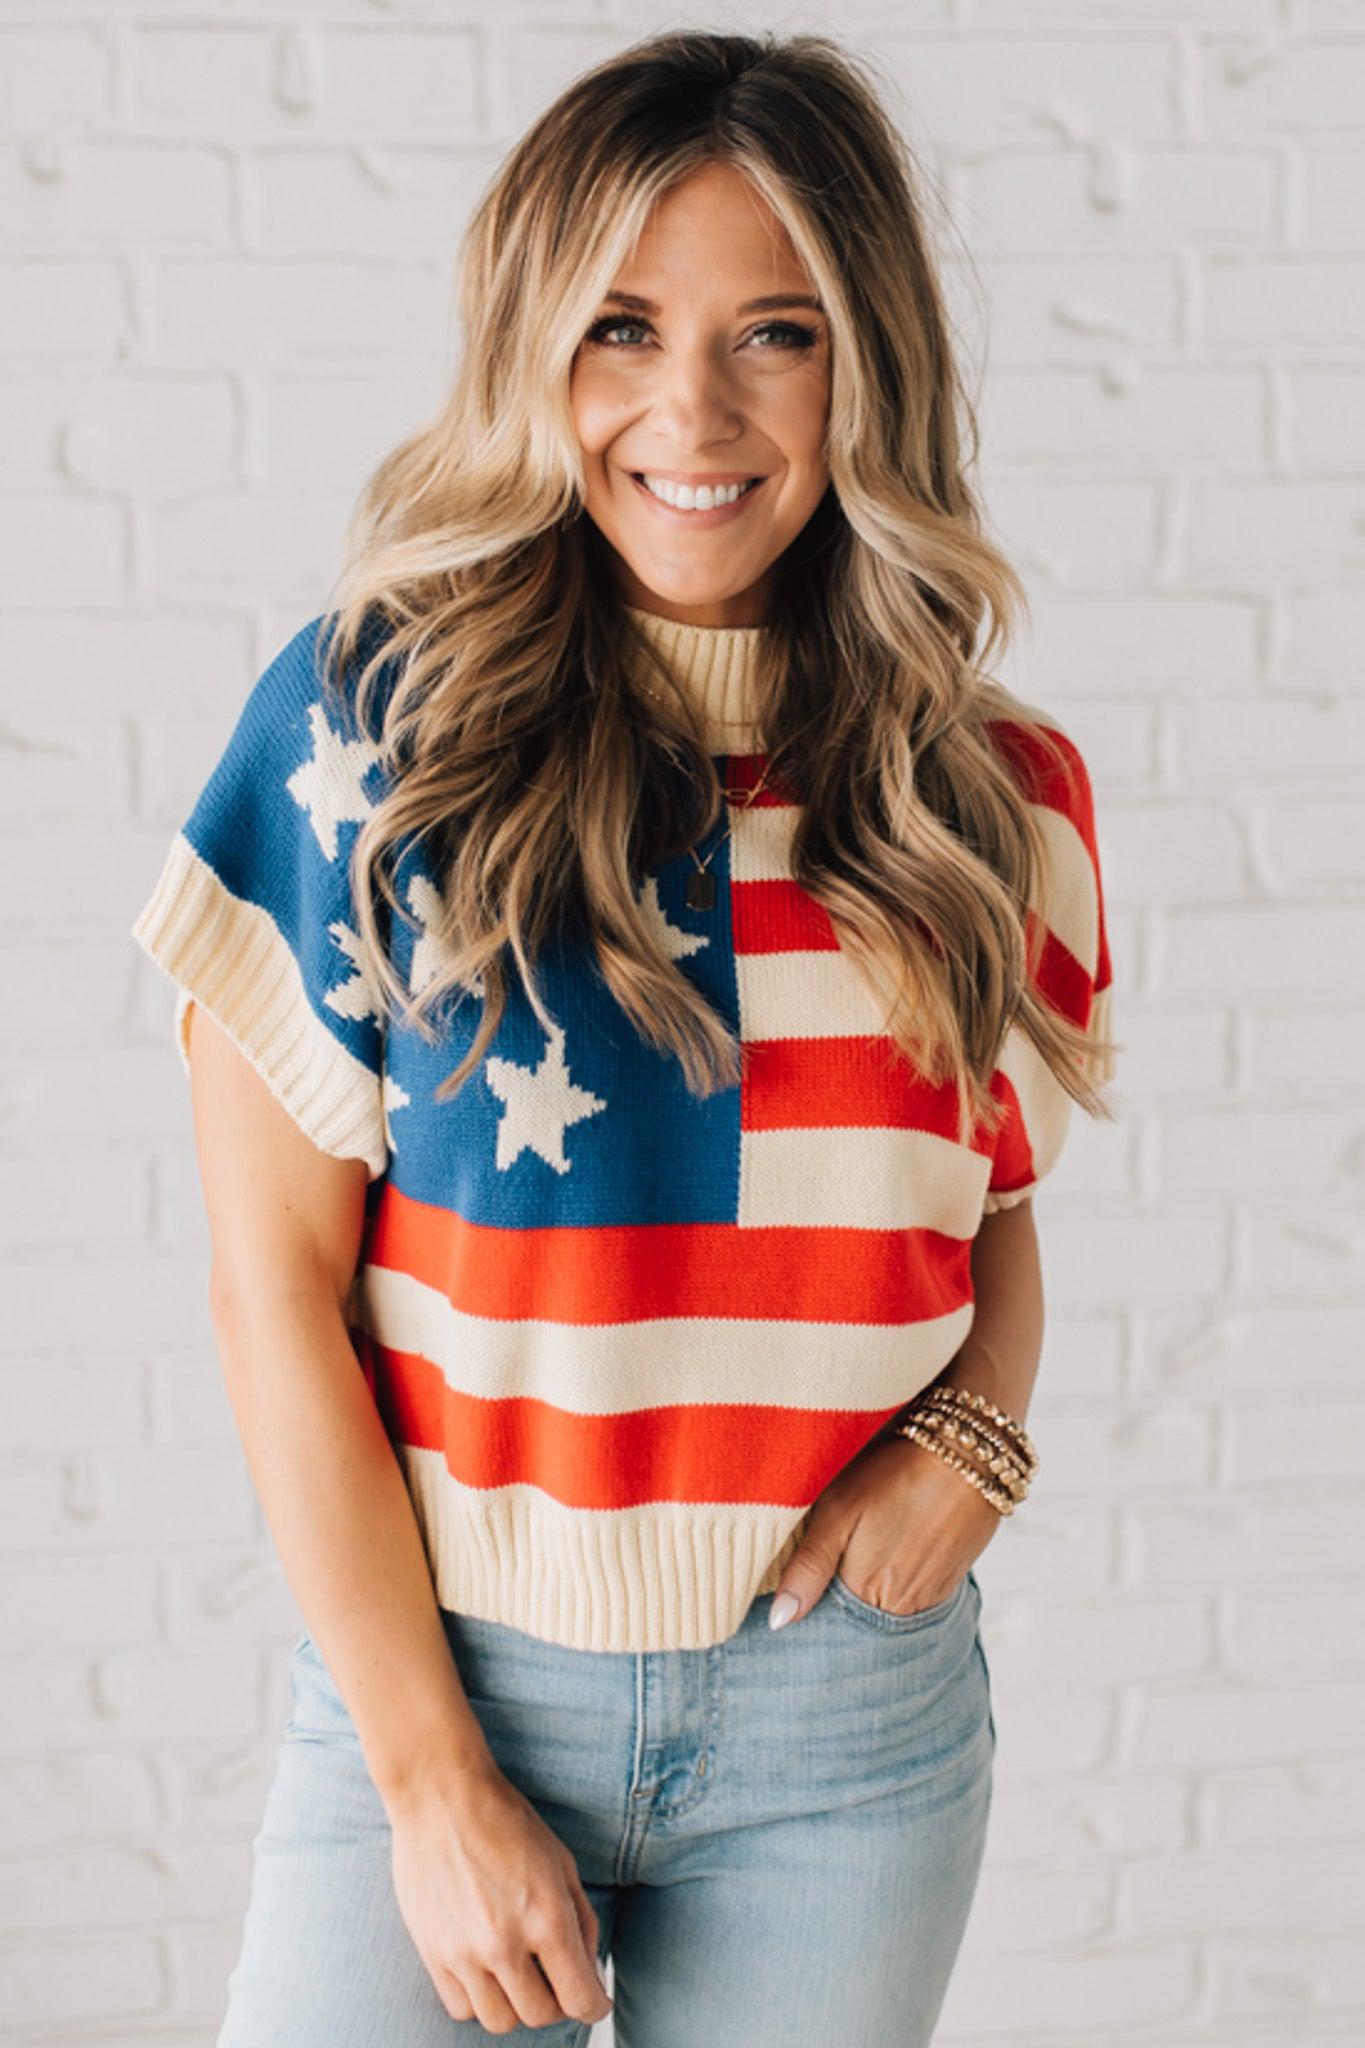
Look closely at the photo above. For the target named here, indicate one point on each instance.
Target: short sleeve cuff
(230, 956)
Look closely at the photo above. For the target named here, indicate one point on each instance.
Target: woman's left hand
(900, 1525)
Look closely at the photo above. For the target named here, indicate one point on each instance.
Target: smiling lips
(719, 499)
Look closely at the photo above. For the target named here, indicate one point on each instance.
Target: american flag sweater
(620, 1337)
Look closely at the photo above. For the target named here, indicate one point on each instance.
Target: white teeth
(703, 499)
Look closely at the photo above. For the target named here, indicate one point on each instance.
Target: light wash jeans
(781, 1835)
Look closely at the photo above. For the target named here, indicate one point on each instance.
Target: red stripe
(1013, 1163)
(1060, 976)
(779, 917)
(722, 1452)
(862, 1081)
(1041, 778)
(631, 1272)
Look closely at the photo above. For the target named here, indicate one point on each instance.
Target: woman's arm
(343, 1524)
(285, 1225)
(1003, 1348)
(490, 1895)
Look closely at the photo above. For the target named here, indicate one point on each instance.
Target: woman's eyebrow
(772, 303)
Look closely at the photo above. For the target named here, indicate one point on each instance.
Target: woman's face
(681, 379)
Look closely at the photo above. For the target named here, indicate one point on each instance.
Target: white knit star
(540, 1104)
(327, 786)
(676, 942)
(357, 998)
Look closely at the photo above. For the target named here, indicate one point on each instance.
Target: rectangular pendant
(701, 890)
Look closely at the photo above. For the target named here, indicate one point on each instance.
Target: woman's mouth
(703, 507)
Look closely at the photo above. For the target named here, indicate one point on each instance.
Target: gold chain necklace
(701, 885)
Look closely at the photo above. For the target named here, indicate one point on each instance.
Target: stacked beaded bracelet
(1001, 1458)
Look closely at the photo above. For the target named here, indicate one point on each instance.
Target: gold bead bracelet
(1000, 1466)
(975, 1437)
(940, 1395)
(949, 1420)
(998, 1498)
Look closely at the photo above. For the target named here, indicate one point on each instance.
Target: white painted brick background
(227, 236)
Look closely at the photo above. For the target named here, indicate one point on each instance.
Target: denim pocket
(318, 1712)
(882, 1618)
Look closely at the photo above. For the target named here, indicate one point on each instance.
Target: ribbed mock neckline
(718, 667)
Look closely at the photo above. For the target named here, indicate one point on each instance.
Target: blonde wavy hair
(523, 755)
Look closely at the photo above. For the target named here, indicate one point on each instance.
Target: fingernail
(782, 1610)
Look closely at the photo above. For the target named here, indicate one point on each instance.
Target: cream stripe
(1102, 1067)
(804, 995)
(616, 1368)
(761, 840)
(231, 956)
(866, 1177)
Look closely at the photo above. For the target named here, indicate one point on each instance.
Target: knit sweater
(620, 1336)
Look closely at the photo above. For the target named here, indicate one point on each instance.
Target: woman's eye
(600, 329)
(796, 335)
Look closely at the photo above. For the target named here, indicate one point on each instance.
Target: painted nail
(782, 1610)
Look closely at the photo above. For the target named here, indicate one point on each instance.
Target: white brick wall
(227, 234)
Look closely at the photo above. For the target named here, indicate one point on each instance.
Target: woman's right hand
(492, 1899)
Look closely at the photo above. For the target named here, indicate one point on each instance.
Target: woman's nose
(693, 385)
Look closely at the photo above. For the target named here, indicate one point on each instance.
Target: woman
(634, 969)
